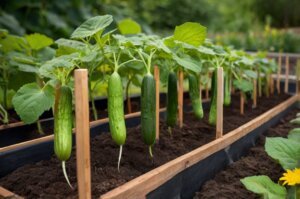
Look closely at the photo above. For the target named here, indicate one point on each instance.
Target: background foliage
(247, 18)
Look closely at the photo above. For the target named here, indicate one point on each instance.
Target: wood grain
(83, 161)
(279, 72)
(220, 99)
(180, 98)
(287, 72)
(157, 92)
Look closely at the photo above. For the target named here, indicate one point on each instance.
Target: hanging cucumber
(213, 103)
(195, 95)
(116, 112)
(63, 126)
(227, 90)
(148, 107)
(172, 100)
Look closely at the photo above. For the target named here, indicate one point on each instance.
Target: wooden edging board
(5, 194)
(144, 184)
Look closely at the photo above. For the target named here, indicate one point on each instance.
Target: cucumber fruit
(213, 103)
(227, 90)
(63, 122)
(116, 111)
(194, 93)
(172, 100)
(148, 107)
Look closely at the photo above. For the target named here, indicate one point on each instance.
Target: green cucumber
(63, 123)
(172, 100)
(195, 95)
(148, 107)
(227, 90)
(213, 103)
(116, 112)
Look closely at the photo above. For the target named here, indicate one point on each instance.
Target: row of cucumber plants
(118, 57)
(285, 151)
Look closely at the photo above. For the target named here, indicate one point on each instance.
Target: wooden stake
(271, 85)
(242, 103)
(254, 93)
(180, 99)
(82, 134)
(287, 68)
(279, 73)
(220, 99)
(157, 80)
(298, 77)
(259, 84)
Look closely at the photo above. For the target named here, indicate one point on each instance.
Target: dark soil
(227, 183)
(45, 179)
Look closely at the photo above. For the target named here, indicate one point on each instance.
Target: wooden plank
(271, 85)
(220, 99)
(180, 98)
(242, 103)
(254, 93)
(83, 161)
(287, 72)
(142, 185)
(157, 81)
(6, 194)
(279, 73)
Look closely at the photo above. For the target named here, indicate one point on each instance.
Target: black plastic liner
(186, 183)
(19, 134)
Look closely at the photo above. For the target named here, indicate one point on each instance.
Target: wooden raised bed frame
(139, 187)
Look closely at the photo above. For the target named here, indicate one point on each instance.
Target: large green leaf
(128, 26)
(71, 44)
(92, 26)
(31, 101)
(38, 41)
(285, 151)
(265, 187)
(188, 63)
(294, 134)
(295, 121)
(243, 85)
(11, 42)
(191, 33)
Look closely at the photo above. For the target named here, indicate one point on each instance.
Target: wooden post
(298, 76)
(279, 73)
(271, 84)
(254, 93)
(259, 84)
(242, 103)
(220, 99)
(180, 98)
(157, 80)
(287, 72)
(82, 134)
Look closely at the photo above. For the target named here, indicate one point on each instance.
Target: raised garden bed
(136, 161)
(227, 183)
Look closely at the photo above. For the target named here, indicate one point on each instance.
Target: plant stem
(128, 97)
(150, 151)
(93, 101)
(63, 165)
(4, 114)
(40, 129)
(120, 156)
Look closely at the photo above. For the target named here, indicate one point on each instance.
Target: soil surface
(227, 183)
(45, 179)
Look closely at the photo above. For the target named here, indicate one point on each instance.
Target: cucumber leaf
(128, 26)
(265, 187)
(295, 121)
(188, 63)
(285, 151)
(38, 41)
(294, 134)
(243, 85)
(31, 101)
(92, 26)
(191, 33)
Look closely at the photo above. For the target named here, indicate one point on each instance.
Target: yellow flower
(291, 177)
